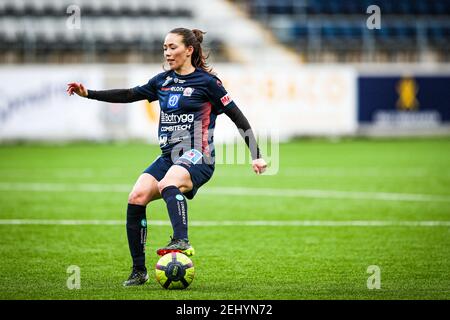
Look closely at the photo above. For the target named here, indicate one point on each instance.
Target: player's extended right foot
(177, 245)
(136, 278)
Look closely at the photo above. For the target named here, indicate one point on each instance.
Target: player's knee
(165, 183)
(161, 185)
(138, 197)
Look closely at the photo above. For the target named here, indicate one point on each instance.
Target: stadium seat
(296, 23)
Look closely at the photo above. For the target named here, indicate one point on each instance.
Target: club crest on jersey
(226, 100)
(188, 92)
(172, 101)
(176, 80)
(192, 156)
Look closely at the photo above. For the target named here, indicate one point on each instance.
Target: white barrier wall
(296, 101)
(34, 104)
(317, 100)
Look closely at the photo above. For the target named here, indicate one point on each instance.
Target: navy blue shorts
(200, 172)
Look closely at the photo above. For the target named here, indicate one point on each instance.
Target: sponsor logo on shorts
(192, 156)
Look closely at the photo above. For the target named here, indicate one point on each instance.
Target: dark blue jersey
(189, 107)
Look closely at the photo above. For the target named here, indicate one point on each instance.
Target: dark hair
(194, 38)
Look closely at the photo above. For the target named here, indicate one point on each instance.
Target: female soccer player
(190, 97)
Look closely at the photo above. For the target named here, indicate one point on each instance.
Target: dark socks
(137, 234)
(177, 208)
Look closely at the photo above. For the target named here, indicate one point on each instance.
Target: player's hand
(259, 165)
(77, 88)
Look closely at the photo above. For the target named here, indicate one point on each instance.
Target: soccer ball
(174, 271)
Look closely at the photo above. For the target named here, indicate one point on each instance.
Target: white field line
(211, 223)
(235, 191)
(412, 172)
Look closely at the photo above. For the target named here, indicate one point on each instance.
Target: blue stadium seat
(351, 7)
(299, 30)
(440, 7)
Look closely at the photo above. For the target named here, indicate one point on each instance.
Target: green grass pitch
(397, 183)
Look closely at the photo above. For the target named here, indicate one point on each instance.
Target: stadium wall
(313, 100)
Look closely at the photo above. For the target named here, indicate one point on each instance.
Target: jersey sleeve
(149, 90)
(219, 97)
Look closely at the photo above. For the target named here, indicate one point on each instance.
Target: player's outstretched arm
(259, 165)
(114, 95)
